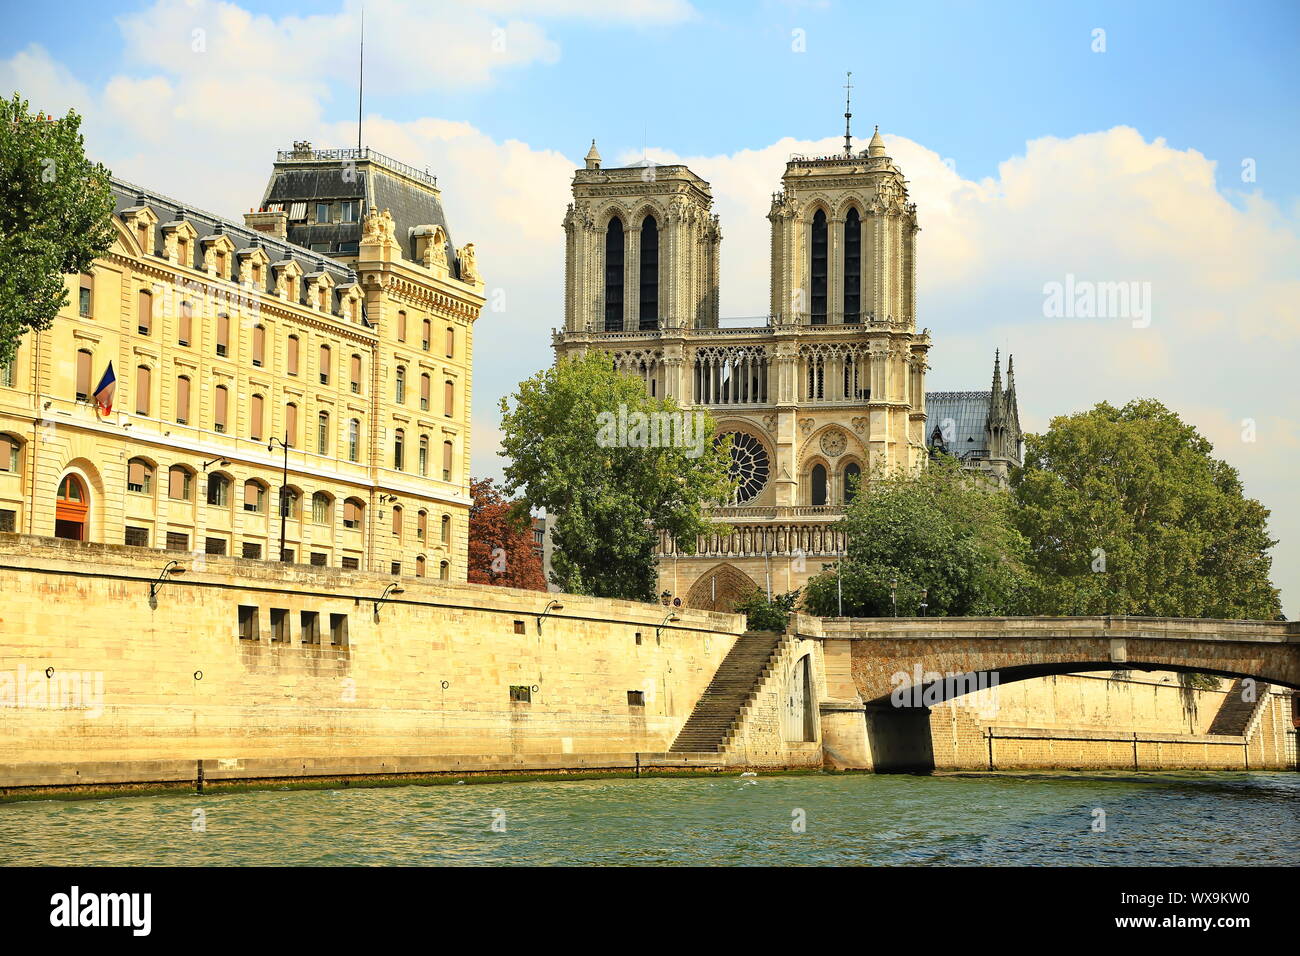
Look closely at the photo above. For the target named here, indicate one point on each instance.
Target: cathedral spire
(995, 399)
(593, 156)
(877, 145)
(848, 114)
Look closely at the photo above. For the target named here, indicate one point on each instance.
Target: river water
(993, 819)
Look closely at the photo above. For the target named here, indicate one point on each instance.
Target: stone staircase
(1235, 714)
(719, 711)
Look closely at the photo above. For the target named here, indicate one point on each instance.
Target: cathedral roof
(968, 412)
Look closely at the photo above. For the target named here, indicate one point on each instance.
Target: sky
(1045, 144)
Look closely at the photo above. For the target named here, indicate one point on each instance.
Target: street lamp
(670, 618)
(893, 593)
(392, 589)
(924, 594)
(171, 567)
(225, 462)
(551, 605)
(284, 487)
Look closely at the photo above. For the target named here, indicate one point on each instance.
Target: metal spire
(848, 114)
(361, 74)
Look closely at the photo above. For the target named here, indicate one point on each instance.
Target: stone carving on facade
(833, 443)
(859, 425)
(806, 425)
(468, 267)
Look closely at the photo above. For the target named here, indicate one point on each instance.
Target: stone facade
(226, 339)
(828, 386)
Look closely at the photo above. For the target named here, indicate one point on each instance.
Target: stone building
(828, 385)
(981, 429)
(230, 341)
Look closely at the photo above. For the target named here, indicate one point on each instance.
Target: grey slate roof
(968, 413)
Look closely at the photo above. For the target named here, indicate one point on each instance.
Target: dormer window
(322, 212)
(348, 211)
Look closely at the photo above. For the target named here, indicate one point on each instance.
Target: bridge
(881, 675)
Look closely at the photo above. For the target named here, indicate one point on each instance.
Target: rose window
(749, 466)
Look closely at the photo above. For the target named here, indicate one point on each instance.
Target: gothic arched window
(817, 273)
(819, 485)
(614, 276)
(852, 481)
(649, 274)
(852, 268)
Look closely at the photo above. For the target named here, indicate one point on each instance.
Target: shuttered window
(291, 356)
(219, 407)
(223, 334)
(255, 417)
(446, 461)
(178, 483)
(143, 385)
(325, 364)
(355, 372)
(182, 400)
(146, 312)
(449, 398)
(291, 424)
(83, 375)
(185, 324)
(259, 345)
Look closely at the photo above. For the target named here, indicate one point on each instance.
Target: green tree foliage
(1127, 512)
(764, 615)
(610, 497)
(940, 531)
(55, 209)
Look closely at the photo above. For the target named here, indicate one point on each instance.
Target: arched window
(424, 454)
(817, 273)
(84, 362)
(449, 398)
(397, 521)
(255, 417)
(399, 449)
(325, 364)
(446, 460)
(353, 511)
(649, 274)
(852, 481)
(220, 404)
(291, 424)
(444, 571)
(419, 566)
(71, 509)
(446, 529)
(254, 496)
(291, 355)
(421, 525)
(819, 485)
(322, 508)
(426, 334)
(180, 483)
(182, 400)
(143, 389)
(852, 268)
(139, 476)
(399, 391)
(323, 433)
(218, 490)
(291, 502)
(426, 387)
(614, 275)
(354, 439)
(259, 345)
(354, 370)
(11, 454)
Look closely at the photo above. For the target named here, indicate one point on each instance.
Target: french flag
(103, 395)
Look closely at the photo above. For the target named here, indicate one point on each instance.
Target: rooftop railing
(355, 155)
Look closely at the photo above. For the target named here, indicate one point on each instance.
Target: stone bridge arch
(719, 588)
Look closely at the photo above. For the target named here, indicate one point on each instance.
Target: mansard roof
(969, 412)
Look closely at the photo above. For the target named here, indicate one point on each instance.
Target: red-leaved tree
(501, 541)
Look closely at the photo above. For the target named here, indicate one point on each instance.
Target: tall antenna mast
(361, 75)
(848, 115)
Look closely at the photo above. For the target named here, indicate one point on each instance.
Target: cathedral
(827, 387)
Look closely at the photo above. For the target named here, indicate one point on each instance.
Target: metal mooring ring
(198, 675)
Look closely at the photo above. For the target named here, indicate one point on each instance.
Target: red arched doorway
(71, 509)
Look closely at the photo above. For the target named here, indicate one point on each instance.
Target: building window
(145, 320)
(446, 529)
(649, 315)
(325, 364)
(178, 541)
(248, 623)
(819, 485)
(339, 630)
(137, 537)
(399, 392)
(321, 508)
(421, 525)
(426, 386)
(255, 408)
(424, 454)
(291, 356)
(215, 546)
(86, 296)
(9, 371)
(451, 342)
(10, 454)
(444, 571)
(852, 481)
(259, 345)
(319, 559)
(449, 398)
(182, 400)
(614, 275)
(291, 502)
(446, 460)
(397, 522)
(220, 404)
(323, 433)
(419, 565)
(223, 333)
(348, 211)
(218, 490)
(817, 274)
(143, 388)
(310, 621)
(84, 359)
(352, 512)
(350, 563)
(426, 334)
(852, 268)
(399, 449)
(395, 569)
(354, 439)
(139, 476)
(252, 550)
(322, 212)
(254, 496)
(401, 325)
(519, 627)
(185, 324)
(291, 425)
(355, 374)
(636, 698)
(521, 694)
(279, 625)
(179, 483)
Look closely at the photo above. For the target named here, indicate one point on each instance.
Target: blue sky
(1030, 156)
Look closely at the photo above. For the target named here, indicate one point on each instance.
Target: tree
(939, 531)
(614, 467)
(762, 614)
(1127, 512)
(501, 541)
(55, 217)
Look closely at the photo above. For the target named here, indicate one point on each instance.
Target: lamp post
(924, 594)
(171, 567)
(284, 487)
(893, 593)
(551, 605)
(392, 589)
(670, 618)
(225, 462)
